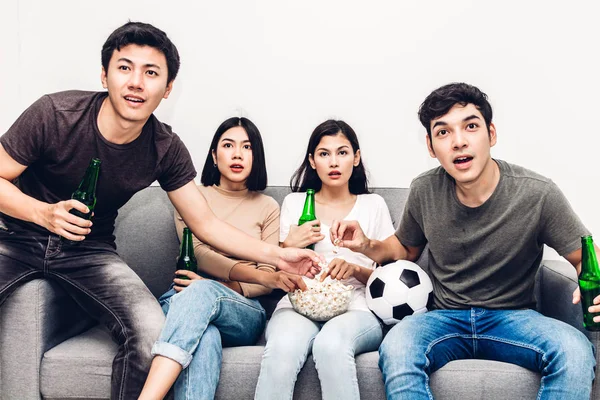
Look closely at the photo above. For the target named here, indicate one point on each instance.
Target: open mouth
(335, 174)
(236, 168)
(462, 160)
(133, 99)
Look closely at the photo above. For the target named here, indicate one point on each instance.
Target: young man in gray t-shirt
(485, 222)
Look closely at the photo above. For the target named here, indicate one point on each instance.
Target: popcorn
(336, 245)
(322, 301)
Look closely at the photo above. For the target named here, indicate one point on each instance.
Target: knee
(282, 357)
(403, 347)
(573, 352)
(211, 336)
(145, 331)
(198, 293)
(328, 347)
(401, 336)
(149, 324)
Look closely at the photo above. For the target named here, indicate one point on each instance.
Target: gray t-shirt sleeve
(25, 139)
(560, 227)
(410, 232)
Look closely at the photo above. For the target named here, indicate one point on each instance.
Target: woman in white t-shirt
(334, 169)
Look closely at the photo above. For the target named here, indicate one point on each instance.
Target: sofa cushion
(146, 238)
(80, 368)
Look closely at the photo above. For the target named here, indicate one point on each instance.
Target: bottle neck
(86, 191)
(309, 206)
(589, 261)
(90, 180)
(187, 244)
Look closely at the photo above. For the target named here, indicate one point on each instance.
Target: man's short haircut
(441, 100)
(142, 34)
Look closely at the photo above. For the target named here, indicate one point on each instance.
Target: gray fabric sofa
(49, 349)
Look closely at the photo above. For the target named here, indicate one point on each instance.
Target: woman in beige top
(217, 308)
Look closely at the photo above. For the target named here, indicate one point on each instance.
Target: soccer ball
(399, 289)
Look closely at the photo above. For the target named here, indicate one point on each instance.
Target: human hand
(299, 261)
(285, 281)
(57, 219)
(349, 234)
(181, 284)
(304, 235)
(339, 269)
(592, 309)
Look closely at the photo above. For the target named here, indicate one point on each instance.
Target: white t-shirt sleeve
(286, 218)
(384, 227)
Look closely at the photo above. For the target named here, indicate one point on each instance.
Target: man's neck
(114, 128)
(474, 194)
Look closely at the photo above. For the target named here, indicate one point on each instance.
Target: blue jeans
(290, 338)
(421, 344)
(94, 275)
(201, 320)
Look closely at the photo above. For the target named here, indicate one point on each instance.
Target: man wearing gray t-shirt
(485, 222)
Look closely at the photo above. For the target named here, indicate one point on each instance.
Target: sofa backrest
(147, 241)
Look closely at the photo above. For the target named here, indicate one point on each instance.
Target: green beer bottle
(589, 282)
(187, 259)
(86, 191)
(308, 213)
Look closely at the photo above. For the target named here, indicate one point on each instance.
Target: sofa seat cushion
(481, 379)
(80, 368)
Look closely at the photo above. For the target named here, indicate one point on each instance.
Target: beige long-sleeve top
(253, 213)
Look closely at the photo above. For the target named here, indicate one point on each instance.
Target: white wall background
(291, 65)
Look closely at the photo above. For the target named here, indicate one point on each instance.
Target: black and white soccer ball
(399, 289)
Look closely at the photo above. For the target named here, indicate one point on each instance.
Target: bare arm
(272, 280)
(575, 258)
(210, 261)
(349, 234)
(198, 216)
(391, 249)
(54, 217)
(363, 274)
(13, 202)
(242, 272)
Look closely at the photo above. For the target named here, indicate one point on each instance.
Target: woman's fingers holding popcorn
(296, 282)
(339, 269)
(287, 282)
(335, 266)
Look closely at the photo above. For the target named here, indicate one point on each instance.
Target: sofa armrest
(556, 282)
(33, 319)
